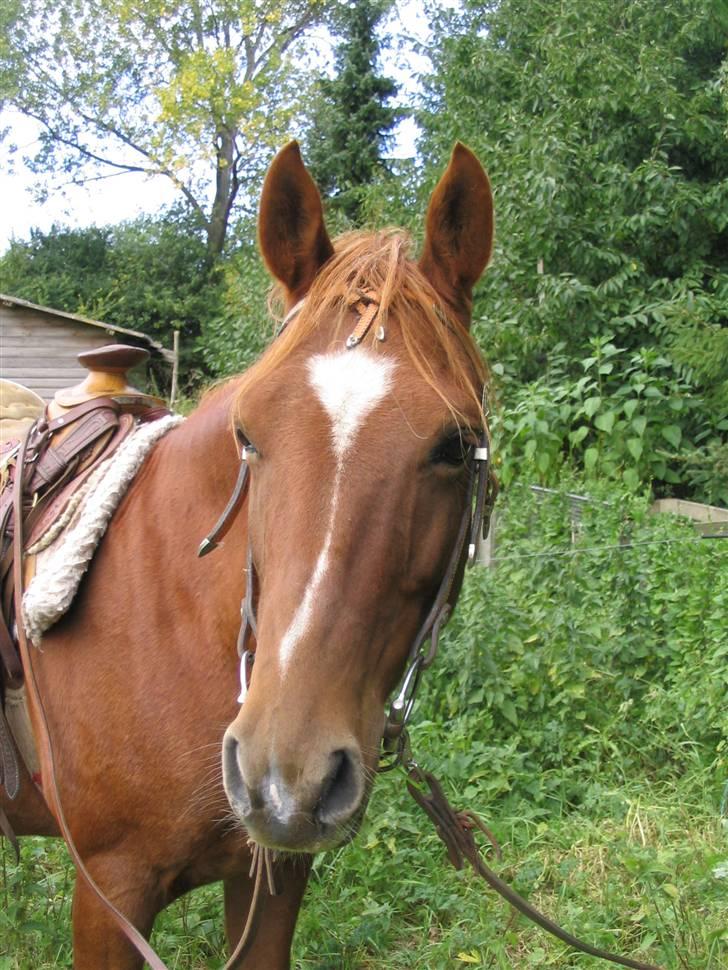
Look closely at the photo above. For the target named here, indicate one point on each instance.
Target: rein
(262, 862)
(44, 739)
(456, 829)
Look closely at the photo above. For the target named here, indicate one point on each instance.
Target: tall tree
(353, 117)
(604, 129)
(196, 90)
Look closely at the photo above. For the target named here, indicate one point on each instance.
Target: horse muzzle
(302, 808)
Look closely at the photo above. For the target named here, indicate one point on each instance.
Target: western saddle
(64, 443)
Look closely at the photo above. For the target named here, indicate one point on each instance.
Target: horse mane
(381, 263)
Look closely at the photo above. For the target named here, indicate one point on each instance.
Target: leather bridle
(475, 522)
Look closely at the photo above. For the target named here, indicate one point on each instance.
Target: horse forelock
(380, 263)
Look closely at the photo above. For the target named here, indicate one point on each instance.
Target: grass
(636, 877)
(639, 874)
(578, 704)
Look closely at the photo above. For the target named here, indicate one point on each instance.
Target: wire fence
(576, 504)
(620, 547)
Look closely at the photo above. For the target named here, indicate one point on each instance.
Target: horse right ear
(291, 231)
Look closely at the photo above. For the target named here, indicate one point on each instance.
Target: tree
(148, 274)
(353, 120)
(196, 92)
(604, 130)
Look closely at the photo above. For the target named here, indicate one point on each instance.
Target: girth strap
(7, 830)
(9, 767)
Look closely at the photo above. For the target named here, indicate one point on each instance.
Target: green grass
(578, 704)
(635, 875)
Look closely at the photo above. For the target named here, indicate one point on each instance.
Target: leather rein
(262, 860)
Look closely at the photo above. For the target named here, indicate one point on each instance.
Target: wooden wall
(39, 350)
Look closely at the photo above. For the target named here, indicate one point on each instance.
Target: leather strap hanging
(456, 831)
(262, 858)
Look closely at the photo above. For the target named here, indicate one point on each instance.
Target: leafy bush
(629, 418)
(568, 668)
(603, 127)
(236, 333)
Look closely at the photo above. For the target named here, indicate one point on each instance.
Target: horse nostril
(342, 788)
(233, 781)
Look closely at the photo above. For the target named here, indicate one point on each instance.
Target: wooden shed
(39, 345)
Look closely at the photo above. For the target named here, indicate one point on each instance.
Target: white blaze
(349, 385)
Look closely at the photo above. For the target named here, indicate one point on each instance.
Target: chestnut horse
(359, 461)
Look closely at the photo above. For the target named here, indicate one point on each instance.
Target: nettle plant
(624, 418)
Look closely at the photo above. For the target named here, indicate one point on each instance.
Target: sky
(128, 195)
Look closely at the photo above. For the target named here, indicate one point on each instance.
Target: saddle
(78, 430)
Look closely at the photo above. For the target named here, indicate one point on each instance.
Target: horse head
(358, 427)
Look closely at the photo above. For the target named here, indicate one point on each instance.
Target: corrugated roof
(152, 345)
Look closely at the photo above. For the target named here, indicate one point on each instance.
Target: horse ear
(459, 231)
(291, 230)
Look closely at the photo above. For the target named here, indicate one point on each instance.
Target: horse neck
(194, 476)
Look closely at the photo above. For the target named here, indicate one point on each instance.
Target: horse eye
(454, 450)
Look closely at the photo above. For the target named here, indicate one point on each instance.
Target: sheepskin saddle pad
(63, 553)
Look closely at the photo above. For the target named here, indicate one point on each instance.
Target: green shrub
(629, 417)
(570, 667)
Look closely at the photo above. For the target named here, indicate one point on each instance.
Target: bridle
(475, 522)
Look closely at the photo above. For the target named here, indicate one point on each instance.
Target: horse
(357, 427)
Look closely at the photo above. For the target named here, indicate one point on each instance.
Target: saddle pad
(63, 554)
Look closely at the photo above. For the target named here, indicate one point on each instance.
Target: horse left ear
(459, 231)
(291, 231)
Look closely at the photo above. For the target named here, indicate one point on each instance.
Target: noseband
(474, 523)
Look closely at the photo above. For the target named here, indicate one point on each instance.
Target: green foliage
(199, 93)
(63, 268)
(604, 130)
(627, 417)
(562, 660)
(235, 335)
(149, 274)
(352, 121)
